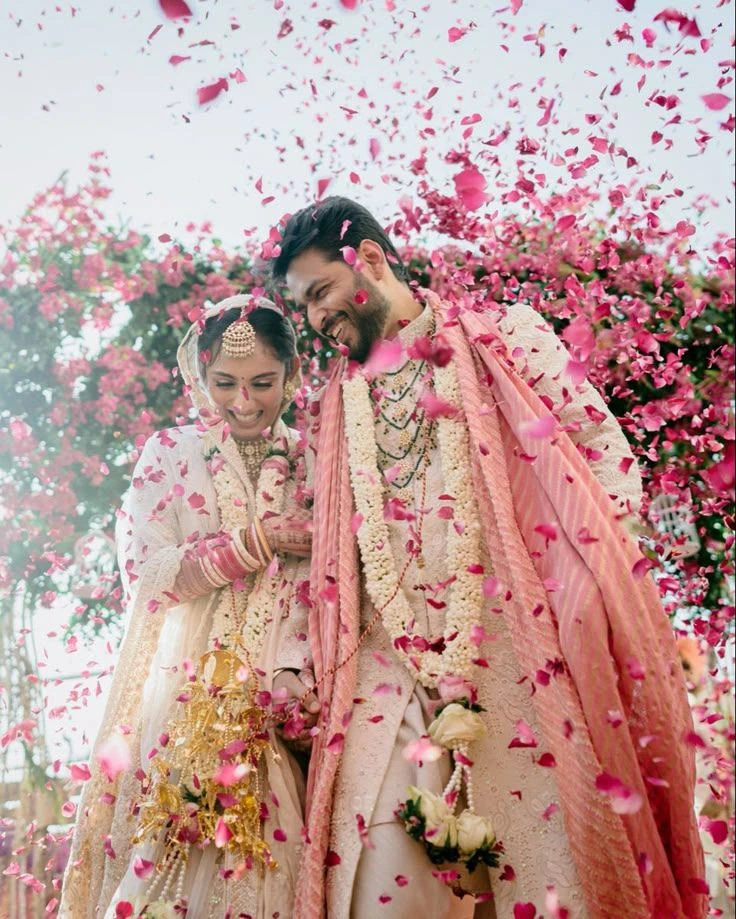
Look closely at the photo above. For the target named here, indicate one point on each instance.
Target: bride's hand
(289, 533)
(294, 693)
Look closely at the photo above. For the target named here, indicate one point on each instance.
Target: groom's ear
(373, 258)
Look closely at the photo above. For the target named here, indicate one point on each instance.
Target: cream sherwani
(382, 871)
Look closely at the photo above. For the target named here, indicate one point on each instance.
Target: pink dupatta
(605, 626)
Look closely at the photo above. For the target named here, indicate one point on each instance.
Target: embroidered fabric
(521, 797)
(155, 530)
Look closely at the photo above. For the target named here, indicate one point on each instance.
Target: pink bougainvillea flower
(470, 188)
(174, 9)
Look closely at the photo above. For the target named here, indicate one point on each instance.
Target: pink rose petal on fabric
(174, 9)
(113, 757)
(421, 750)
(223, 834)
(624, 800)
(332, 859)
(336, 743)
(715, 101)
(524, 736)
(524, 910)
(386, 355)
(196, 500)
(279, 835)
(470, 188)
(540, 428)
(640, 568)
(230, 773)
(142, 868)
(576, 371)
(436, 407)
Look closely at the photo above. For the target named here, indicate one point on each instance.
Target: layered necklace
(453, 653)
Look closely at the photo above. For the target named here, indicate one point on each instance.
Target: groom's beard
(369, 319)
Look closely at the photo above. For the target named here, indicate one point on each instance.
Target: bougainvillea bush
(90, 318)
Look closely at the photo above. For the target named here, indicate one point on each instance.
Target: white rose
(456, 725)
(160, 909)
(473, 832)
(440, 827)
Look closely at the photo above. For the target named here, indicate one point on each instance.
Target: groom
(466, 551)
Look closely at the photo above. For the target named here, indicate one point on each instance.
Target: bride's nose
(242, 398)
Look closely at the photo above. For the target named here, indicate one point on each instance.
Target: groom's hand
(289, 533)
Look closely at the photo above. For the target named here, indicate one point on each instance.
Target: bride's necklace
(253, 453)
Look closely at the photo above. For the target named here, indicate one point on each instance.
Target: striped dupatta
(334, 624)
(606, 626)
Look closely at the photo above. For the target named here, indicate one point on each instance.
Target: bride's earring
(290, 390)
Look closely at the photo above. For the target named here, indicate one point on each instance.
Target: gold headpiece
(239, 339)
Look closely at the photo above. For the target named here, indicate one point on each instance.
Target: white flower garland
(251, 607)
(464, 533)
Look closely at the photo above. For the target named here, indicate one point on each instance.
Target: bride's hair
(272, 328)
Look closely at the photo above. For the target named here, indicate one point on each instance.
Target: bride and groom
(397, 657)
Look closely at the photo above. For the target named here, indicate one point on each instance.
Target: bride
(194, 805)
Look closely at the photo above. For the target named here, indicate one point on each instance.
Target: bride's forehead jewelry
(239, 339)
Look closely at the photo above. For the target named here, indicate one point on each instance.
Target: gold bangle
(262, 538)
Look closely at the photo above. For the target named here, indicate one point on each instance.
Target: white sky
(174, 162)
(300, 116)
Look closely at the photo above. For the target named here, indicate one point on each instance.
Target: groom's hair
(328, 226)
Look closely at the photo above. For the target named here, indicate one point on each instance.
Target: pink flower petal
(174, 9)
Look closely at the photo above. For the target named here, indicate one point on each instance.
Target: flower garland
(464, 536)
(429, 818)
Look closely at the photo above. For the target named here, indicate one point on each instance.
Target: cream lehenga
(234, 842)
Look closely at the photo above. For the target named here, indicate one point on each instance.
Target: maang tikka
(239, 339)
